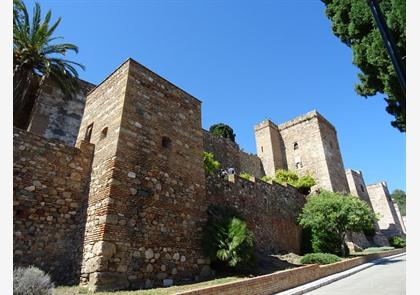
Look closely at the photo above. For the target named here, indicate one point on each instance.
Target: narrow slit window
(362, 188)
(88, 133)
(104, 132)
(262, 149)
(166, 142)
(295, 146)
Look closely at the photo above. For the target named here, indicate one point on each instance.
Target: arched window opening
(104, 132)
(88, 133)
(295, 146)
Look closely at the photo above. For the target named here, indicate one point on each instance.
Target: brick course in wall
(287, 279)
(50, 182)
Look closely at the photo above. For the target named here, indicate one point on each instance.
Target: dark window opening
(104, 132)
(166, 142)
(262, 149)
(295, 146)
(299, 165)
(362, 188)
(88, 133)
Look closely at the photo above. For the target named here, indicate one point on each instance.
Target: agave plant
(36, 59)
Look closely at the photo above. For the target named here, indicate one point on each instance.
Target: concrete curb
(335, 277)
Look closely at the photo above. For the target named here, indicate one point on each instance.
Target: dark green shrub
(226, 238)
(319, 258)
(397, 242)
(210, 164)
(31, 281)
(328, 242)
(306, 241)
(222, 130)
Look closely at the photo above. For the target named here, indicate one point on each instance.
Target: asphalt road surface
(385, 278)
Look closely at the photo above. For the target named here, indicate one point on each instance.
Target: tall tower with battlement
(389, 222)
(269, 147)
(357, 185)
(307, 144)
(144, 214)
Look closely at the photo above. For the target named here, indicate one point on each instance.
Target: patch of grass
(372, 250)
(76, 290)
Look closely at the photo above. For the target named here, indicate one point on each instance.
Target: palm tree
(36, 59)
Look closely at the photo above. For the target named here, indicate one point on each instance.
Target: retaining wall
(287, 279)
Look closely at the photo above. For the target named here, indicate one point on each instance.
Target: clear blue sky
(246, 61)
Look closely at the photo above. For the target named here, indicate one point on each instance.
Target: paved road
(386, 278)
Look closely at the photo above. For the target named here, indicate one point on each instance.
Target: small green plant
(31, 280)
(302, 184)
(245, 175)
(266, 178)
(226, 238)
(210, 164)
(319, 258)
(397, 242)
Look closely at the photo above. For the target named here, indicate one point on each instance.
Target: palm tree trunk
(35, 101)
(24, 87)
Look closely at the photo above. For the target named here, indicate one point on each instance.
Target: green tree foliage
(223, 130)
(399, 197)
(210, 164)
(330, 215)
(36, 58)
(319, 258)
(353, 23)
(303, 184)
(226, 238)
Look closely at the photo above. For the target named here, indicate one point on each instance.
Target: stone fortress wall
(57, 117)
(271, 210)
(228, 154)
(50, 185)
(140, 189)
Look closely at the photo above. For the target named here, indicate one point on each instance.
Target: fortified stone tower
(147, 182)
(357, 185)
(358, 188)
(308, 145)
(269, 147)
(389, 222)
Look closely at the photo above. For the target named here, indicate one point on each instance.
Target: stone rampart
(49, 204)
(229, 155)
(270, 210)
(57, 117)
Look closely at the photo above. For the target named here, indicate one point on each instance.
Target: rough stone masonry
(125, 207)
